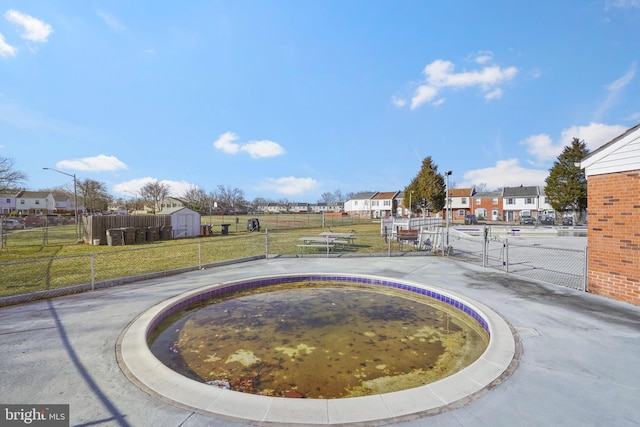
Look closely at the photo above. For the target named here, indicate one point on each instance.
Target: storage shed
(613, 192)
(184, 221)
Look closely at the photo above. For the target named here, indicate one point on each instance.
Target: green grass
(28, 265)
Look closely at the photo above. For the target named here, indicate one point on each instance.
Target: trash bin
(152, 234)
(253, 224)
(225, 228)
(129, 235)
(115, 237)
(166, 232)
(141, 235)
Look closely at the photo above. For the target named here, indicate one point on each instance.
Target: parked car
(470, 220)
(526, 219)
(567, 220)
(546, 220)
(12, 224)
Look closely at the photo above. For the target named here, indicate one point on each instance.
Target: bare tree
(93, 195)
(327, 197)
(9, 177)
(154, 193)
(230, 198)
(195, 198)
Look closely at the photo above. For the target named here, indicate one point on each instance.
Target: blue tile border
(261, 282)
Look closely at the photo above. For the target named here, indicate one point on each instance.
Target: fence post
(485, 243)
(93, 272)
(266, 243)
(506, 254)
(585, 273)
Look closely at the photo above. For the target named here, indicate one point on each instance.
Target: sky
(288, 99)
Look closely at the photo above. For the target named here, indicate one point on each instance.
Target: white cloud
(544, 149)
(34, 29)
(398, 102)
(132, 187)
(112, 22)
(506, 173)
(256, 149)
(483, 57)
(622, 4)
(95, 164)
(225, 143)
(440, 75)
(6, 49)
(289, 185)
(614, 89)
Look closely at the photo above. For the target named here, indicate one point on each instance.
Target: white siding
(621, 156)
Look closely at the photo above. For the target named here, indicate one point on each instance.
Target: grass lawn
(38, 259)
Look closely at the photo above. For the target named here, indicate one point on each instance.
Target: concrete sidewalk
(579, 365)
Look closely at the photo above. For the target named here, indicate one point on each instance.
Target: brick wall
(614, 235)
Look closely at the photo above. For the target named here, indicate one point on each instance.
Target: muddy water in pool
(319, 340)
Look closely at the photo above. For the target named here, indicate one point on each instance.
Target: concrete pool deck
(580, 361)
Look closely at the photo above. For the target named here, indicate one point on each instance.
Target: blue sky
(291, 99)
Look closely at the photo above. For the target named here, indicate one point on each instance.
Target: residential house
(384, 204)
(34, 202)
(172, 202)
(298, 207)
(613, 191)
(271, 208)
(459, 203)
(326, 207)
(519, 201)
(62, 204)
(544, 207)
(360, 205)
(7, 203)
(487, 205)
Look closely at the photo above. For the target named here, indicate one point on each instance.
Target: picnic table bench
(316, 242)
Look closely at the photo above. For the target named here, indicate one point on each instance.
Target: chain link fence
(561, 266)
(22, 281)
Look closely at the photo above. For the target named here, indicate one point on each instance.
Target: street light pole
(447, 173)
(75, 198)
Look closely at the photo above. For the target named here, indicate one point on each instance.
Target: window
(495, 201)
(510, 202)
(461, 212)
(355, 203)
(37, 202)
(529, 200)
(478, 201)
(8, 200)
(387, 202)
(22, 202)
(464, 200)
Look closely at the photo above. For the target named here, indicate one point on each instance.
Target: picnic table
(316, 242)
(347, 238)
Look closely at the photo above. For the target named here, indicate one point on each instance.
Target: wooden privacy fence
(95, 227)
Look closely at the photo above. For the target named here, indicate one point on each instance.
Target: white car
(12, 224)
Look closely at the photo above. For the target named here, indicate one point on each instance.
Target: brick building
(613, 191)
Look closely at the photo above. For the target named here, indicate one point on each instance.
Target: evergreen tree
(566, 185)
(428, 186)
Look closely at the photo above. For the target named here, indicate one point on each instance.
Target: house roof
(520, 191)
(385, 195)
(488, 194)
(365, 195)
(460, 192)
(34, 195)
(171, 211)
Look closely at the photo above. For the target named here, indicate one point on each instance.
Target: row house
(487, 205)
(360, 205)
(460, 203)
(326, 207)
(35, 203)
(525, 201)
(384, 204)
